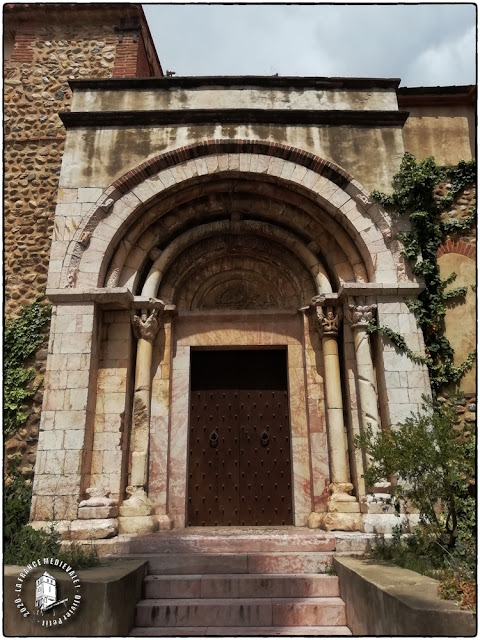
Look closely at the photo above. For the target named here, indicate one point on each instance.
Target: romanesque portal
(210, 329)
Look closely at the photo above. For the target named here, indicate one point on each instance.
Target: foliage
(16, 505)
(434, 465)
(29, 544)
(464, 591)
(22, 543)
(22, 337)
(414, 196)
(79, 556)
(330, 569)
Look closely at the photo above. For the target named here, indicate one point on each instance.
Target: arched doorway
(237, 246)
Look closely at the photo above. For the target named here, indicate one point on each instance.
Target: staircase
(238, 582)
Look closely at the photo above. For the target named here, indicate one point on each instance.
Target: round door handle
(264, 439)
(213, 439)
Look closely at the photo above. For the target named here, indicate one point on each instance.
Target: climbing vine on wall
(414, 195)
(22, 337)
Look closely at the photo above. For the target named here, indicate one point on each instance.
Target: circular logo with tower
(48, 592)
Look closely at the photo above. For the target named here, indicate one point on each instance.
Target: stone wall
(50, 47)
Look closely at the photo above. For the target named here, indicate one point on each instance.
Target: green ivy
(22, 337)
(413, 195)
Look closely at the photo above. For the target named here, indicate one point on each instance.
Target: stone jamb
(239, 329)
(63, 464)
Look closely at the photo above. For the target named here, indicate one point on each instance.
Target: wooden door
(239, 468)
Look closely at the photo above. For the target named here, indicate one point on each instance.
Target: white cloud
(448, 63)
(425, 44)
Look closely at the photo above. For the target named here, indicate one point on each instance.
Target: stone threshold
(235, 540)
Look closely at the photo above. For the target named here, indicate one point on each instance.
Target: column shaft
(141, 414)
(336, 430)
(366, 379)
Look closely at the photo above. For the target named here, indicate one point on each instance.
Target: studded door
(239, 464)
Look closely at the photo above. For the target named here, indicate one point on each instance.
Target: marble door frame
(237, 329)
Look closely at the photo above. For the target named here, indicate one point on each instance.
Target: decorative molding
(146, 326)
(196, 82)
(327, 321)
(317, 117)
(360, 315)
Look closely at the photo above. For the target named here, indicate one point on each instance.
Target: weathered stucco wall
(460, 324)
(430, 131)
(95, 158)
(224, 97)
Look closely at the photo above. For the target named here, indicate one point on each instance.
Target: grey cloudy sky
(424, 44)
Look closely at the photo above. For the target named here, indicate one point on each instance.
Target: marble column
(359, 314)
(343, 509)
(359, 317)
(136, 512)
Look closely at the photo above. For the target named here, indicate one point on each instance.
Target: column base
(165, 523)
(95, 529)
(385, 523)
(137, 524)
(335, 521)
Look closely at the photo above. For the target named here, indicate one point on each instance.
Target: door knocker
(264, 439)
(213, 439)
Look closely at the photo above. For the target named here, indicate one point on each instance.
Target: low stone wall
(109, 597)
(382, 600)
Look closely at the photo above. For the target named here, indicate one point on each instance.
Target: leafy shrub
(22, 543)
(29, 544)
(434, 465)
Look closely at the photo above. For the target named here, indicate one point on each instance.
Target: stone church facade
(216, 259)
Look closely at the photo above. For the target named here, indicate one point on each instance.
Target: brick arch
(217, 147)
(461, 247)
(102, 229)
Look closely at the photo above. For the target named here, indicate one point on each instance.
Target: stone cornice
(84, 119)
(409, 97)
(221, 82)
(380, 289)
(118, 297)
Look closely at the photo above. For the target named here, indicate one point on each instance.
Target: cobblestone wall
(44, 57)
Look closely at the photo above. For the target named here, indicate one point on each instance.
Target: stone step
(247, 612)
(233, 540)
(241, 586)
(195, 563)
(223, 632)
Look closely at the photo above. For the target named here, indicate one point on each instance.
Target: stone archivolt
(371, 240)
(201, 274)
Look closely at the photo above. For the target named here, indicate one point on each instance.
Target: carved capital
(146, 326)
(360, 315)
(327, 320)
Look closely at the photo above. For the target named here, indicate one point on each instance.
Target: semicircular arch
(325, 185)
